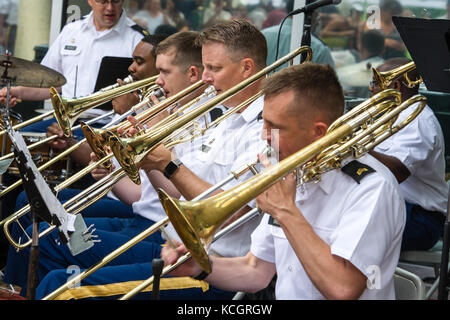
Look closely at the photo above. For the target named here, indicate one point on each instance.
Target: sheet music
(68, 221)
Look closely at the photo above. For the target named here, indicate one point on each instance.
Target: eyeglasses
(103, 2)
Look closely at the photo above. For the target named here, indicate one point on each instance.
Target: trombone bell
(191, 228)
(61, 113)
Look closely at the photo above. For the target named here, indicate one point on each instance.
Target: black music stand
(428, 41)
(44, 206)
(111, 69)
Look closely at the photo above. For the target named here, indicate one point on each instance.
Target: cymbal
(26, 73)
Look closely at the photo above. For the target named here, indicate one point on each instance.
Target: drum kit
(20, 72)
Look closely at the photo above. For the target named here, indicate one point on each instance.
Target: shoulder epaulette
(259, 117)
(357, 170)
(141, 30)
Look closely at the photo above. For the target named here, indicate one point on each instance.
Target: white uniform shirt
(80, 45)
(10, 8)
(420, 147)
(362, 223)
(232, 144)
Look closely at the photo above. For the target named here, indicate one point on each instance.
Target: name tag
(71, 48)
(205, 148)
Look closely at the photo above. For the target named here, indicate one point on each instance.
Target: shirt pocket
(277, 232)
(324, 233)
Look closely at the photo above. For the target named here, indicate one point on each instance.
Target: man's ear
(194, 74)
(320, 129)
(397, 85)
(248, 67)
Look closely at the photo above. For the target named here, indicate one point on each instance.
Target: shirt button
(290, 268)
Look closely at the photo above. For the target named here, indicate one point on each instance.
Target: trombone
(384, 79)
(91, 97)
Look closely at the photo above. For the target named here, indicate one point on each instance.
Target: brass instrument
(197, 221)
(384, 79)
(67, 111)
(23, 124)
(130, 151)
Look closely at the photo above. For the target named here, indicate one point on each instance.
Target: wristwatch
(172, 167)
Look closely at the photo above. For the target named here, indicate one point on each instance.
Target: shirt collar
(253, 110)
(88, 22)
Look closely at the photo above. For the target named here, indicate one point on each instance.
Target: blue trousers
(103, 208)
(41, 126)
(113, 232)
(422, 230)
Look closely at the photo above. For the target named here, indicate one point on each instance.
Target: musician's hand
(170, 255)
(100, 171)
(280, 197)
(61, 142)
(124, 102)
(136, 127)
(157, 159)
(15, 95)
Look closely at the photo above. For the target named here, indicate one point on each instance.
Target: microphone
(313, 6)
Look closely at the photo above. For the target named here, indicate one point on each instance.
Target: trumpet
(384, 79)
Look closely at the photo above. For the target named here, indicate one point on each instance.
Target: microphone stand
(306, 37)
(157, 266)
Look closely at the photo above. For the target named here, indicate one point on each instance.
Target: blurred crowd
(354, 36)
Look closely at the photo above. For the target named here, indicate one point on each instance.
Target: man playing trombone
(228, 59)
(335, 238)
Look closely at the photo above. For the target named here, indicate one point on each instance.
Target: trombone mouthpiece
(210, 90)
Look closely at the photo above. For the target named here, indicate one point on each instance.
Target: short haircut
(187, 52)
(318, 83)
(240, 37)
(394, 63)
(154, 40)
(373, 41)
(394, 7)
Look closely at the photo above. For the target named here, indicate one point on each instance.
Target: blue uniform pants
(423, 229)
(113, 232)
